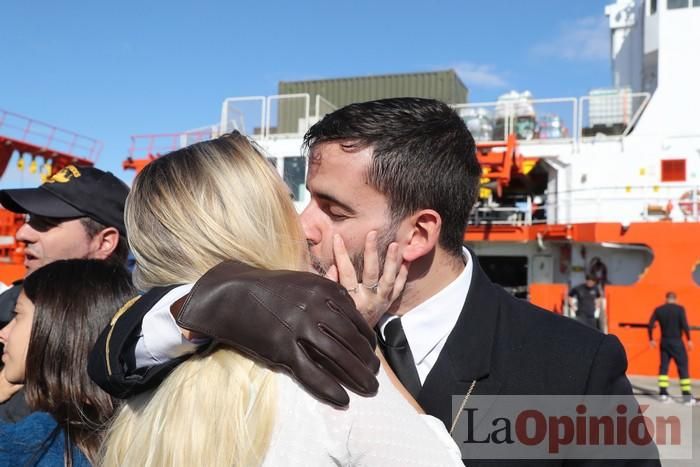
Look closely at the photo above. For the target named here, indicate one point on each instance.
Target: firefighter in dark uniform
(673, 322)
(587, 297)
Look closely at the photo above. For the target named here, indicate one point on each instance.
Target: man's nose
(26, 234)
(310, 225)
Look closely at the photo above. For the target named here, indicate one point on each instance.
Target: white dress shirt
(427, 325)
(161, 339)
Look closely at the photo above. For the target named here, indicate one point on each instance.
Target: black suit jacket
(511, 347)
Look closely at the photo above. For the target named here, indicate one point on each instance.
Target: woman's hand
(374, 295)
(7, 389)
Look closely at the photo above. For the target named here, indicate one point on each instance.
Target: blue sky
(113, 69)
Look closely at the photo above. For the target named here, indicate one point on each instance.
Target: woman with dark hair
(62, 309)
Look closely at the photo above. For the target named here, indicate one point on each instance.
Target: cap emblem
(65, 175)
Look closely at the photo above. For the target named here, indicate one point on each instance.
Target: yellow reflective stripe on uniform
(663, 384)
(685, 381)
(663, 377)
(116, 316)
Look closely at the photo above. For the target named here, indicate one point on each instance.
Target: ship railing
(612, 115)
(677, 203)
(273, 117)
(153, 145)
(572, 120)
(48, 138)
(531, 120)
(561, 120)
(488, 213)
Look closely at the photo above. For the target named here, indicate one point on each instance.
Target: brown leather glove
(297, 322)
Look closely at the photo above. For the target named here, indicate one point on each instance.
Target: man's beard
(384, 239)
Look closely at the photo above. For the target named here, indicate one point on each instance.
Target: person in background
(585, 298)
(674, 323)
(77, 213)
(60, 312)
(599, 271)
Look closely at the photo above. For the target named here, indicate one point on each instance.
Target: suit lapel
(467, 353)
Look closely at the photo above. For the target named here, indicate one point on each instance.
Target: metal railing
(624, 108)
(287, 112)
(503, 215)
(533, 121)
(528, 120)
(233, 118)
(327, 105)
(293, 114)
(48, 138)
(678, 203)
(159, 144)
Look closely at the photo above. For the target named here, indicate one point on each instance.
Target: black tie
(399, 356)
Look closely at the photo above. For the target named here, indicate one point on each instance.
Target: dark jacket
(511, 347)
(36, 441)
(673, 321)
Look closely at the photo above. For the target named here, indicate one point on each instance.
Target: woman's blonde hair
(188, 211)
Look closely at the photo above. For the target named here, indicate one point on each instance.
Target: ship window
(675, 4)
(295, 175)
(652, 7)
(673, 170)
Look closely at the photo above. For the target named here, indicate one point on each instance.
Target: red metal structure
(147, 148)
(56, 148)
(499, 160)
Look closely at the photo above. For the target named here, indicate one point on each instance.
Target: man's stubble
(384, 239)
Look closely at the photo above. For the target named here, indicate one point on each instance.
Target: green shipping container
(442, 85)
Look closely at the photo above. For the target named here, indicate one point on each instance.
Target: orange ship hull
(676, 250)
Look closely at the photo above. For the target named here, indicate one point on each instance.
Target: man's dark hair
(671, 295)
(423, 157)
(591, 277)
(74, 301)
(120, 253)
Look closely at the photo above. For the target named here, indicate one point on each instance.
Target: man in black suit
(407, 169)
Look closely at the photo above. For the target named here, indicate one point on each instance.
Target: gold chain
(461, 407)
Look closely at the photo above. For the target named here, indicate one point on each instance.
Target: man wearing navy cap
(77, 213)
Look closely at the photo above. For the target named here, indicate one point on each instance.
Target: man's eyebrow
(331, 199)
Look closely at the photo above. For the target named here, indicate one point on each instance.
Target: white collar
(429, 323)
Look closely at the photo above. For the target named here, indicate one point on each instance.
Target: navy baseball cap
(73, 192)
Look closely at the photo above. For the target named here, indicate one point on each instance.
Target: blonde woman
(187, 212)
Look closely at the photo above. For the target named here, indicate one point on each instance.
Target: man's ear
(422, 234)
(104, 243)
